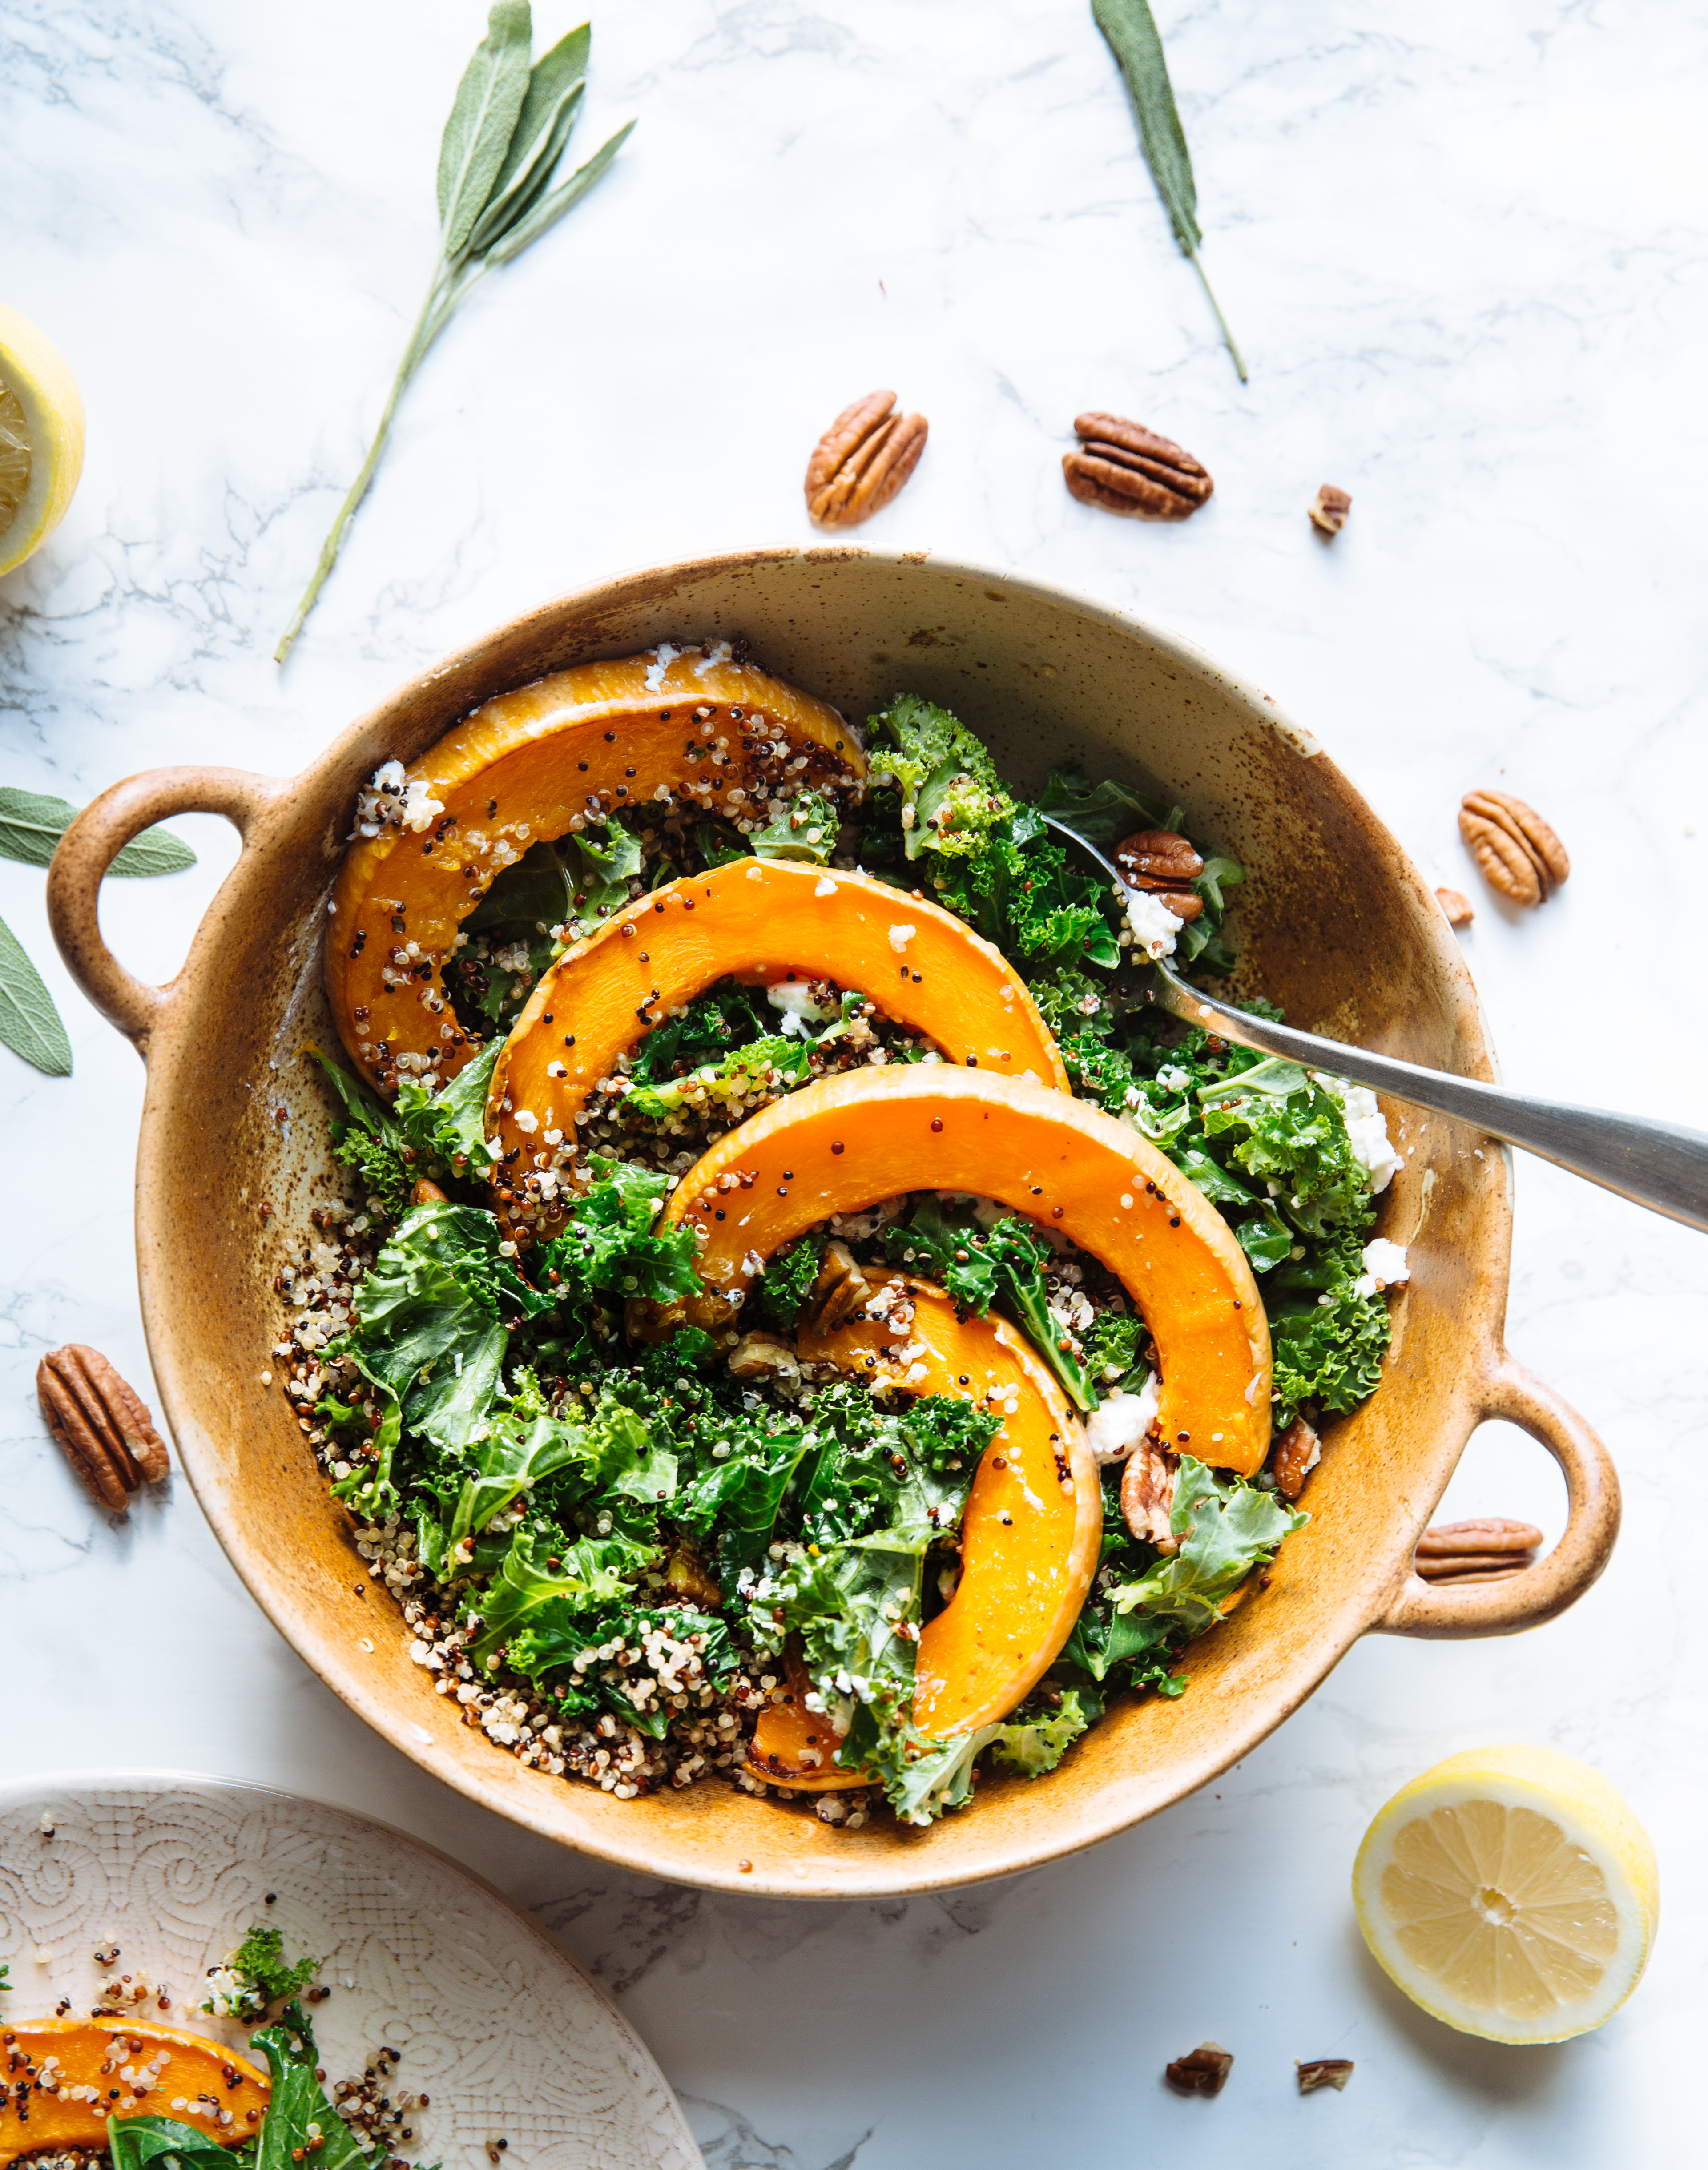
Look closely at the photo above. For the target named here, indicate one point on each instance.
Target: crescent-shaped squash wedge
(61, 2079)
(844, 1143)
(756, 919)
(1029, 1536)
(528, 767)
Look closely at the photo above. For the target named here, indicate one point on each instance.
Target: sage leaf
(29, 1024)
(551, 209)
(1137, 43)
(483, 119)
(31, 825)
(548, 110)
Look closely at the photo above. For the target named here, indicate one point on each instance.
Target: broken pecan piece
(1296, 1453)
(837, 1293)
(102, 1426)
(1458, 908)
(1163, 863)
(862, 461)
(1328, 509)
(763, 1355)
(1201, 2072)
(1480, 1551)
(1323, 2072)
(1148, 1495)
(1128, 469)
(1519, 854)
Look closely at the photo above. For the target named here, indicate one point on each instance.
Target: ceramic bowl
(1339, 926)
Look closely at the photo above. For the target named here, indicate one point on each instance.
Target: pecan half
(1166, 865)
(1519, 855)
(1484, 1550)
(1129, 469)
(1148, 1493)
(1458, 908)
(1296, 1453)
(1201, 2072)
(102, 1426)
(862, 461)
(837, 1293)
(1328, 509)
(1323, 2072)
(427, 1193)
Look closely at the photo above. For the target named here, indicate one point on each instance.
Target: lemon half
(41, 437)
(1511, 1893)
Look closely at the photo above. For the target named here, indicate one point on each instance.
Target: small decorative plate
(502, 2030)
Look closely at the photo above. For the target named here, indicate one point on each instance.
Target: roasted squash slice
(794, 1746)
(844, 1143)
(757, 919)
(525, 768)
(1029, 1538)
(62, 2079)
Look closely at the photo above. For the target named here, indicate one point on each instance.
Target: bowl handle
(1444, 1611)
(94, 840)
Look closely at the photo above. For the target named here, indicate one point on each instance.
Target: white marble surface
(1466, 249)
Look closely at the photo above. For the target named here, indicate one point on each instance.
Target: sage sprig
(508, 129)
(1137, 43)
(31, 825)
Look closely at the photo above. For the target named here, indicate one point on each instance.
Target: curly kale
(784, 1286)
(1004, 1263)
(951, 795)
(806, 827)
(606, 1248)
(435, 1130)
(257, 1975)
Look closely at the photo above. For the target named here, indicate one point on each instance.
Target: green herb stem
(358, 490)
(1228, 336)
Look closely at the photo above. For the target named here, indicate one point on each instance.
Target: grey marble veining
(1465, 249)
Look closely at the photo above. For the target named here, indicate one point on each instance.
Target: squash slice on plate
(62, 2079)
(757, 920)
(525, 768)
(1029, 1538)
(842, 1144)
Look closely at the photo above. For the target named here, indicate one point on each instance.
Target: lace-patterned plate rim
(495, 2023)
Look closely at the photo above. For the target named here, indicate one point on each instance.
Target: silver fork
(1661, 1165)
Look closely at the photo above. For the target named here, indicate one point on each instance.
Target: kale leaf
(1102, 814)
(425, 1132)
(1224, 1529)
(547, 1596)
(298, 2102)
(607, 1246)
(429, 1334)
(1004, 1264)
(259, 1974)
(763, 1064)
(806, 827)
(788, 1280)
(951, 796)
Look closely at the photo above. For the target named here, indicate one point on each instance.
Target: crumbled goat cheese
(1121, 1420)
(794, 998)
(663, 656)
(1366, 1130)
(901, 934)
(1385, 1264)
(1154, 927)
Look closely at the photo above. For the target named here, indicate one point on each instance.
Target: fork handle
(1661, 1165)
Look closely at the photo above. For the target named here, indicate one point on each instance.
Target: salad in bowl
(797, 1317)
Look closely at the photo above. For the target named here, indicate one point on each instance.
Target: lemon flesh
(1510, 1892)
(14, 457)
(41, 437)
